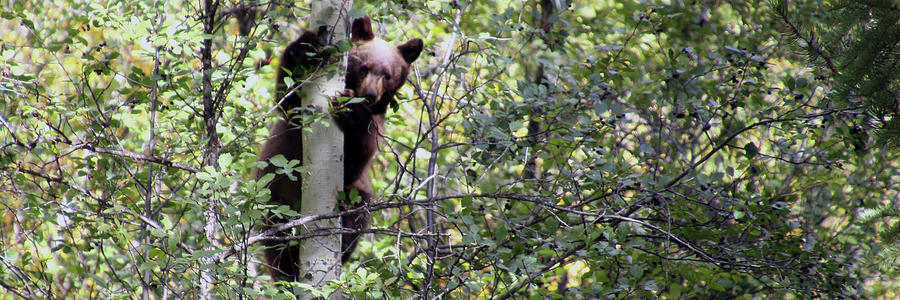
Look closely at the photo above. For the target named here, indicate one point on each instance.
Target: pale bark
(323, 149)
(212, 144)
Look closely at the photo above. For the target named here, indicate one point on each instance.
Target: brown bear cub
(375, 71)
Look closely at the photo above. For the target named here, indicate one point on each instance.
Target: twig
(742, 130)
(138, 156)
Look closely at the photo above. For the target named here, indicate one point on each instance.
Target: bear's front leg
(338, 104)
(346, 114)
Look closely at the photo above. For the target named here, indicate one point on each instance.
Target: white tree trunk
(323, 150)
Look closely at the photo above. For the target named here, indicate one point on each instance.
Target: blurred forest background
(560, 148)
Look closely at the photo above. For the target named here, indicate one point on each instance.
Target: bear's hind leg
(282, 259)
(355, 221)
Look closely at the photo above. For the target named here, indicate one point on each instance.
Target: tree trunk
(323, 148)
(212, 145)
(531, 172)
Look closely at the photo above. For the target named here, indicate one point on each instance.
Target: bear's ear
(361, 30)
(411, 50)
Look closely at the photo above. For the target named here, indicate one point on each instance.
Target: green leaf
(157, 254)
(356, 100)
(97, 279)
(265, 179)
(147, 266)
(55, 46)
(750, 150)
(29, 24)
(278, 161)
(157, 233)
(225, 160)
(647, 149)
(288, 82)
(204, 176)
(354, 196)
(802, 82)
(651, 285)
(344, 45)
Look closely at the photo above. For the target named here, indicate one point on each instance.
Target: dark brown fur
(375, 71)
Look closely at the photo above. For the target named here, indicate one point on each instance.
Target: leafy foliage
(565, 149)
(853, 46)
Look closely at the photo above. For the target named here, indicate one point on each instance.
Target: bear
(375, 72)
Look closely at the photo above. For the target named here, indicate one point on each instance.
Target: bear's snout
(371, 95)
(371, 88)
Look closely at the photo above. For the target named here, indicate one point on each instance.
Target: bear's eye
(364, 69)
(387, 76)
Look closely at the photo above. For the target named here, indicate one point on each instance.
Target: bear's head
(377, 69)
